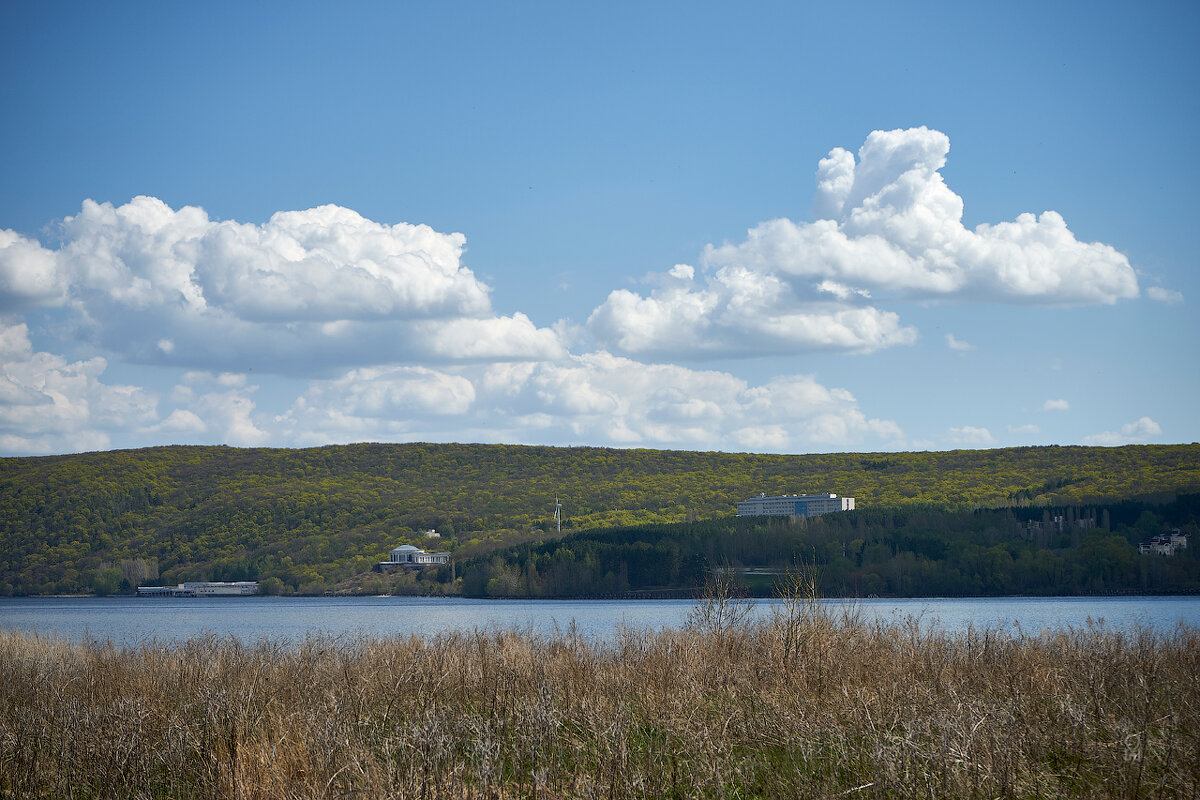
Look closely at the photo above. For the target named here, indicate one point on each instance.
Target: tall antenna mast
(557, 513)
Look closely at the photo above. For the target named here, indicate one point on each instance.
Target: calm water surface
(130, 620)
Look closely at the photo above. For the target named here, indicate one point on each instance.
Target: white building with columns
(406, 555)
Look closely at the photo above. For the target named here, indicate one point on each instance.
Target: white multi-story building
(794, 505)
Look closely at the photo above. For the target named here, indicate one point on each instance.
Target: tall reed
(808, 703)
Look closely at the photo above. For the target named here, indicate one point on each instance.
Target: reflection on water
(129, 621)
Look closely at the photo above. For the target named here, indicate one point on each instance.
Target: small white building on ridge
(406, 555)
(794, 505)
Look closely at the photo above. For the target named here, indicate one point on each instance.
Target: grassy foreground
(808, 704)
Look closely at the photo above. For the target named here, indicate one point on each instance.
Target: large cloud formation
(597, 397)
(887, 227)
(321, 286)
(49, 404)
(323, 264)
(393, 338)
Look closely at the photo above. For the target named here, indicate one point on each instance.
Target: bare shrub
(722, 605)
(806, 703)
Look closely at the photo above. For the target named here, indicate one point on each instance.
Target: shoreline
(648, 595)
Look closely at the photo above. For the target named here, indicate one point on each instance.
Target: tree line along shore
(317, 520)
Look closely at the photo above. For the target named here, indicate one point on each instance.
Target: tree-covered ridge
(906, 551)
(311, 517)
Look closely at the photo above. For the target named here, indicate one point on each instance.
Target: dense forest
(907, 551)
(316, 519)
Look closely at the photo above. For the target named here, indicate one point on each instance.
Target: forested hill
(911, 551)
(315, 516)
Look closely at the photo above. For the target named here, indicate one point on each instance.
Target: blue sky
(770, 227)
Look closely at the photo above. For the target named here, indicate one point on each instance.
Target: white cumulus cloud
(1056, 405)
(393, 391)
(888, 227)
(495, 338)
(325, 263)
(595, 398)
(737, 311)
(49, 404)
(1136, 432)
(299, 293)
(970, 435)
(29, 275)
(231, 415)
(889, 223)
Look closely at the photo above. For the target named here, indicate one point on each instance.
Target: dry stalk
(807, 703)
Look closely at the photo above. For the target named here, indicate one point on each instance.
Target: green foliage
(316, 517)
(881, 551)
(270, 586)
(107, 581)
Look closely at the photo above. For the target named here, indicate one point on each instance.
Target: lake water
(130, 620)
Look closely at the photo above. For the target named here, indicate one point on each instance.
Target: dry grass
(805, 705)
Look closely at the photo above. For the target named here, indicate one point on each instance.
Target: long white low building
(794, 505)
(201, 589)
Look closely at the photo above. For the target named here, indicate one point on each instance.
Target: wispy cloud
(955, 344)
(1056, 405)
(1169, 296)
(970, 435)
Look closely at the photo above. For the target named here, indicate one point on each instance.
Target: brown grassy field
(808, 704)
